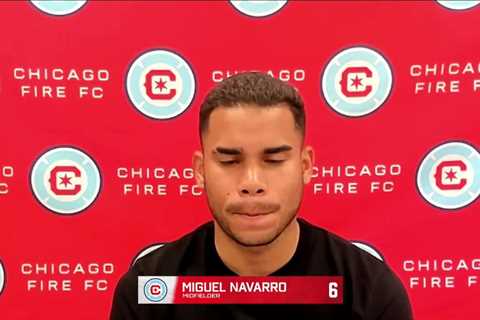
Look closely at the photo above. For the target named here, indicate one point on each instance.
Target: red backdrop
(401, 177)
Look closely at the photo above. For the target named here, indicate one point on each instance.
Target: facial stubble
(222, 222)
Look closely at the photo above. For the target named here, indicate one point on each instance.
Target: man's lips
(252, 208)
(253, 214)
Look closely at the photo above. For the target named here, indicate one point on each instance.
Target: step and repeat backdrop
(99, 109)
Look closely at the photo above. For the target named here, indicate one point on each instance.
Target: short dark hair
(253, 88)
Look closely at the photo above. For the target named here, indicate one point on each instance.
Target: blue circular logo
(258, 8)
(59, 7)
(449, 175)
(155, 289)
(356, 81)
(160, 84)
(65, 180)
(458, 4)
(2, 277)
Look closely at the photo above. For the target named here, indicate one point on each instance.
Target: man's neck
(257, 260)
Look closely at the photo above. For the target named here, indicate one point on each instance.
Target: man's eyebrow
(228, 151)
(238, 151)
(281, 148)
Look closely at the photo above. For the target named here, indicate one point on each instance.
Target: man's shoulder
(169, 258)
(342, 254)
(374, 288)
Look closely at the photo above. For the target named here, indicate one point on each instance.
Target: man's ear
(197, 161)
(308, 160)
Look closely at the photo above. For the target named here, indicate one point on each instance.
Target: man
(253, 167)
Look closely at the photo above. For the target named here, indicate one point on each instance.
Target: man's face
(253, 169)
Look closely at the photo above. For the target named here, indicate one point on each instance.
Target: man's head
(253, 164)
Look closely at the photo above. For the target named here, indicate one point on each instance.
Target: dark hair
(254, 88)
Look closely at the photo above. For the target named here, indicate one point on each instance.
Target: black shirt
(371, 290)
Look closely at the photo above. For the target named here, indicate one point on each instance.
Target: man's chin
(253, 239)
(252, 231)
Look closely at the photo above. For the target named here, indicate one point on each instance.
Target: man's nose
(252, 183)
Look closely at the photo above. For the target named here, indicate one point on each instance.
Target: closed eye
(229, 162)
(274, 161)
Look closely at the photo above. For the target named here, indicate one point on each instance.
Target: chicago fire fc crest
(356, 81)
(155, 290)
(2, 277)
(449, 176)
(258, 8)
(59, 7)
(160, 84)
(459, 4)
(65, 180)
